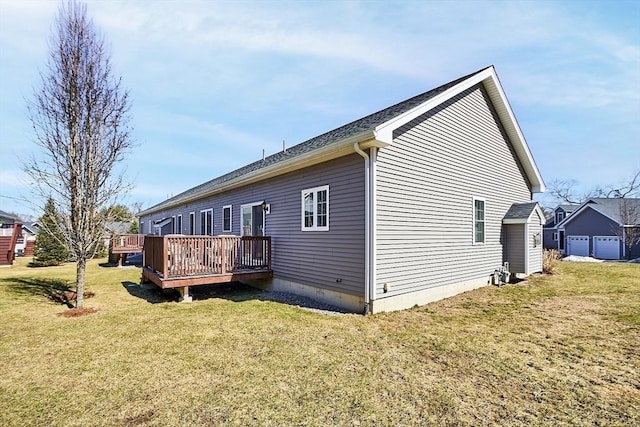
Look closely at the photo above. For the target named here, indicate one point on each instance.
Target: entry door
(252, 220)
(252, 225)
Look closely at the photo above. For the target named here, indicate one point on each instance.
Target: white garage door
(578, 245)
(606, 247)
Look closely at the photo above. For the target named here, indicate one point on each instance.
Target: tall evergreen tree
(50, 246)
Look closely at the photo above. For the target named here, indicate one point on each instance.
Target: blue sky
(214, 83)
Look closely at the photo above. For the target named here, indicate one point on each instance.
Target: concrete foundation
(347, 302)
(404, 301)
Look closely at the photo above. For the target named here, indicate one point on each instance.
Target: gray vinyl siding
(591, 223)
(547, 238)
(332, 260)
(635, 249)
(514, 245)
(426, 181)
(535, 252)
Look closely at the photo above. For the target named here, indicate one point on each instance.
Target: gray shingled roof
(7, 215)
(569, 208)
(520, 210)
(118, 227)
(350, 129)
(613, 207)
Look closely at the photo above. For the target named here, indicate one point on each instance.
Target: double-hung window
(478, 221)
(226, 218)
(315, 209)
(179, 224)
(206, 222)
(192, 223)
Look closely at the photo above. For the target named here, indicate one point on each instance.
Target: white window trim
(559, 217)
(179, 220)
(314, 190)
(173, 224)
(224, 230)
(149, 227)
(205, 228)
(484, 221)
(555, 236)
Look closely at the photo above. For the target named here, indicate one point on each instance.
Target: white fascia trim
(489, 78)
(582, 208)
(162, 222)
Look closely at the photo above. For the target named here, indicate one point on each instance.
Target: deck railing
(6, 232)
(184, 256)
(127, 243)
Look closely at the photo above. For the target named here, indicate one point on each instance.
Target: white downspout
(367, 228)
(373, 225)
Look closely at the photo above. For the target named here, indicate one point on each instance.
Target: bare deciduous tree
(630, 218)
(565, 190)
(80, 116)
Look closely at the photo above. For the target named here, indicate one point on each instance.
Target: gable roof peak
(377, 128)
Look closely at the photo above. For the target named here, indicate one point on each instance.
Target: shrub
(50, 248)
(550, 260)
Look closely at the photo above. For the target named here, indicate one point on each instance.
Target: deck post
(268, 247)
(119, 260)
(223, 257)
(184, 294)
(165, 257)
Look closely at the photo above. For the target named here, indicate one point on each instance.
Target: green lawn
(559, 350)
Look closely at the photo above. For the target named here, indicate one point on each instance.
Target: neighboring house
(7, 220)
(10, 232)
(402, 207)
(25, 244)
(114, 227)
(551, 239)
(600, 227)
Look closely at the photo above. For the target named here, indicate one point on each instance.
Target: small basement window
(315, 209)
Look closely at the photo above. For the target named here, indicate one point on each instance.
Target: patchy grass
(554, 350)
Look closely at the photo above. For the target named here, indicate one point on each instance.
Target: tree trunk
(81, 266)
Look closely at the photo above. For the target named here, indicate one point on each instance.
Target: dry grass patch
(559, 349)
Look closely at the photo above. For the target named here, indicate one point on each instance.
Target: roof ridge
(354, 127)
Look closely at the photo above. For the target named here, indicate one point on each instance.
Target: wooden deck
(182, 261)
(8, 239)
(127, 243)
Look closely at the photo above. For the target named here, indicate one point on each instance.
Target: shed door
(578, 245)
(606, 247)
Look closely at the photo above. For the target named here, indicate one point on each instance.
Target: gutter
(309, 158)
